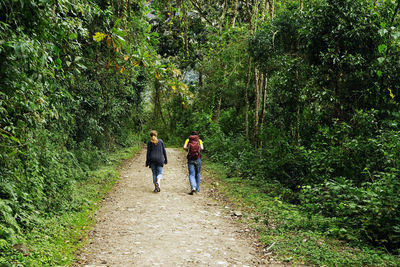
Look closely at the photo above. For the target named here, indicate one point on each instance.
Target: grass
(56, 239)
(298, 237)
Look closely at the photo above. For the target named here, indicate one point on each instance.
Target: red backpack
(193, 147)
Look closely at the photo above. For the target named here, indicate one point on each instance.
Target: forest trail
(136, 227)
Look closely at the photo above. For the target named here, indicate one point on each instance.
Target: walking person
(156, 157)
(194, 145)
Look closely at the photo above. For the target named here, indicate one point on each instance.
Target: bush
(369, 212)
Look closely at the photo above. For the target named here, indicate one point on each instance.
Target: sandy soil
(136, 227)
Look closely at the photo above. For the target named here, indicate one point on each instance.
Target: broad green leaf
(120, 39)
(381, 48)
(118, 31)
(381, 60)
(73, 36)
(382, 32)
(81, 66)
(396, 35)
(117, 22)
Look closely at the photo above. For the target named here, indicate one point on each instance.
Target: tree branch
(198, 8)
(395, 11)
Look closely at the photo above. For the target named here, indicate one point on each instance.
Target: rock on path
(136, 227)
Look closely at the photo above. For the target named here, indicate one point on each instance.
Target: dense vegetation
(66, 100)
(299, 97)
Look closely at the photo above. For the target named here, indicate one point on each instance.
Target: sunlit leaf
(99, 36)
(381, 48)
(396, 35)
(118, 32)
(391, 93)
(121, 39)
(382, 32)
(381, 60)
(81, 66)
(176, 72)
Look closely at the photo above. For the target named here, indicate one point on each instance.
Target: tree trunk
(186, 36)
(301, 4)
(219, 93)
(218, 111)
(222, 19)
(246, 99)
(234, 13)
(255, 14)
(264, 105)
(272, 9)
(265, 5)
(157, 102)
(298, 116)
(298, 126)
(259, 80)
(264, 102)
(200, 79)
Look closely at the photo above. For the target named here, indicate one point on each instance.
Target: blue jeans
(157, 172)
(194, 167)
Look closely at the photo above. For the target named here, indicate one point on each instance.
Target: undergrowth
(295, 236)
(55, 239)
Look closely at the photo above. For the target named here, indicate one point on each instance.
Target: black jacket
(156, 154)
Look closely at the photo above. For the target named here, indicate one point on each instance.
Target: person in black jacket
(156, 158)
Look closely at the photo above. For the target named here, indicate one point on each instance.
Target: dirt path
(136, 227)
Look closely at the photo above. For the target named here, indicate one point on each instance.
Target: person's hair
(153, 135)
(195, 133)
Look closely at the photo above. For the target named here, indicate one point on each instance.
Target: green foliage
(65, 101)
(366, 211)
(328, 138)
(341, 40)
(54, 240)
(76, 78)
(294, 235)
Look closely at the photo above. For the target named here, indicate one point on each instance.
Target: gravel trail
(136, 227)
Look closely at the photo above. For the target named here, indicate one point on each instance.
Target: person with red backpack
(194, 145)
